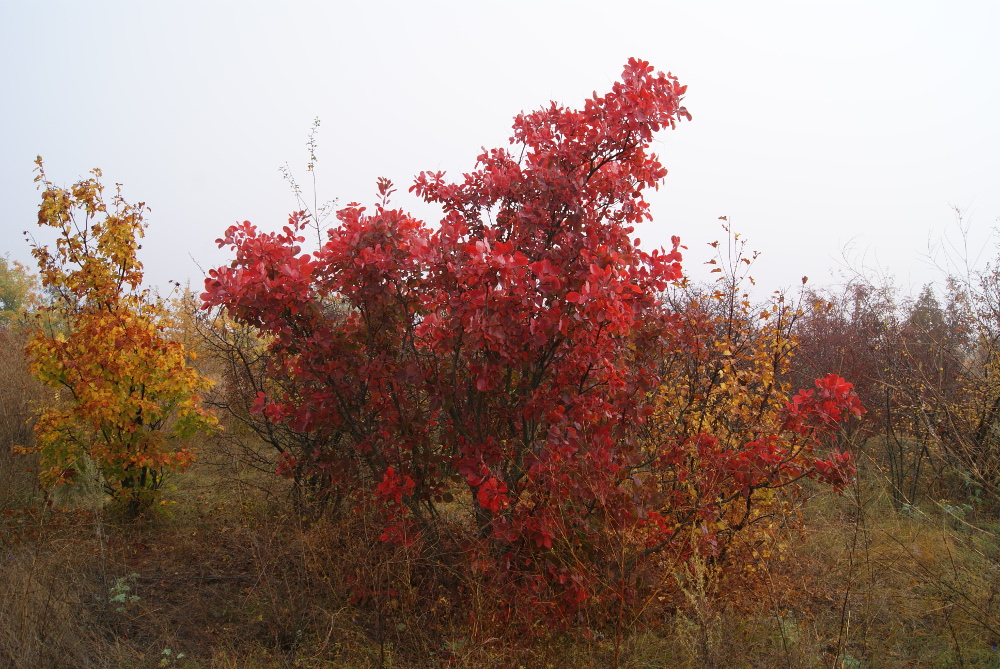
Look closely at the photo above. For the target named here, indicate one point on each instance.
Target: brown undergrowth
(226, 577)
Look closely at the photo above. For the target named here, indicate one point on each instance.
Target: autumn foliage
(509, 365)
(128, 401)
(726, 442)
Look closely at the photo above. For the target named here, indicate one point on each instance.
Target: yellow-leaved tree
(129, 400)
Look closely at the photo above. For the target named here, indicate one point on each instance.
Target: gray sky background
(818, 126)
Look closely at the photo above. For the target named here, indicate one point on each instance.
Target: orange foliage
(131, 401)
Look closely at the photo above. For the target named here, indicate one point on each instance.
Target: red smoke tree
(503, 362)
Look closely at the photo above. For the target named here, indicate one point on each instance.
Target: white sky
(817, 125)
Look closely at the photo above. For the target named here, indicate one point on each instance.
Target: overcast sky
(818, 126)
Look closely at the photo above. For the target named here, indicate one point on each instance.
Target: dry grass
(19, 395)
(862, 586)
(230, 582)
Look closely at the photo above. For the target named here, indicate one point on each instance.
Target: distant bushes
(928, 369)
